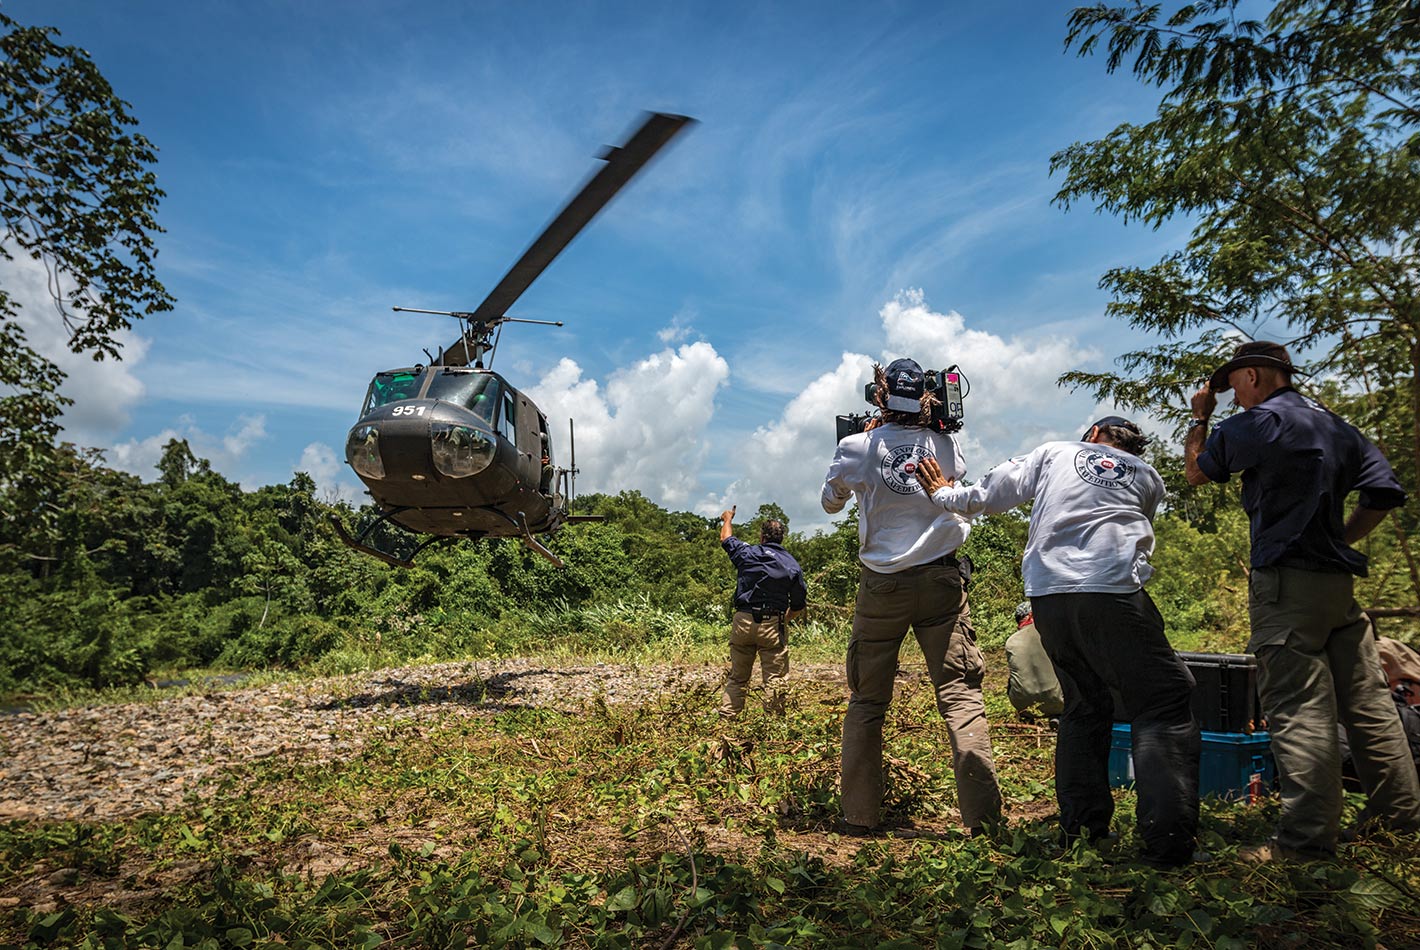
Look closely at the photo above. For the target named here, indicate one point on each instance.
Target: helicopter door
(549, 470)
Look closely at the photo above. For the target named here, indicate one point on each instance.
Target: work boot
(857, 831)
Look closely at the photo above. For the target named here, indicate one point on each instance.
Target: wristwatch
(1195, 423)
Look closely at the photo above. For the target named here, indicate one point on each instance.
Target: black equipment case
(1225, 699)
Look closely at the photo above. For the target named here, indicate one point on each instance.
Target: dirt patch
(112, 762)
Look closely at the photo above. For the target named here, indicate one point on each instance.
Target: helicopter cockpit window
(507, 420)
(392, 387)
(467, 388)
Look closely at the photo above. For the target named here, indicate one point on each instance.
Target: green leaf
(622, 900)
(1375, 894)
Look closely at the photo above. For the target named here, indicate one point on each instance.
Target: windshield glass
(468, 388)
(392, 387)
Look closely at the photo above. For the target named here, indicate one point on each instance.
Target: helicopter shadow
(497, 693)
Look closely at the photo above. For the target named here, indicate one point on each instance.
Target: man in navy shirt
(1317, 660)
(770, 592)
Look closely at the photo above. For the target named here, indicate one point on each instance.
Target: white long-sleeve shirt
(1091, 529)
(898, 526)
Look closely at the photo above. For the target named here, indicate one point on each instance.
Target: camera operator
(910, 577)
(1085, 565)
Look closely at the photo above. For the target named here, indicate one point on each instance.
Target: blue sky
(866, 181)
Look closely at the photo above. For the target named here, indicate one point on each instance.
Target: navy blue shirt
(1298, 464)
(770, 579)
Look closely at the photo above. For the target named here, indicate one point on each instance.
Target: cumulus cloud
(1013, 404)
(328, 470)
(104, 392)
(646, 429)
(140, 456)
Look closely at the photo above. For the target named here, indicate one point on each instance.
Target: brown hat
(1255, 353)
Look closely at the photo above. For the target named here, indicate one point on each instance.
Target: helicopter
(451, 449)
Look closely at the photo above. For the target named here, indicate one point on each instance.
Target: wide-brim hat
(1252, 353)
(906, 383)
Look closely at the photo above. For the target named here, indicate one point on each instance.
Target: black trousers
(1099, 642)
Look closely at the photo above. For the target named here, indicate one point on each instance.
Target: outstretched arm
(726, 532)
(1001, 489)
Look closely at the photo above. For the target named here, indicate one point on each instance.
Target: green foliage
(188, 571)
(78, 197)
(627, 826)
(1291, 144)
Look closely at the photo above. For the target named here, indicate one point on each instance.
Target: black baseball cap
(1252, 353)
(1120, 421)
(906, 384)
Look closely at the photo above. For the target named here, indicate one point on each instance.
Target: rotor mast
(476, 336)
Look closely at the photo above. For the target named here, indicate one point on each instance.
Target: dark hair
(922, 417)
(771, 532)
(1130, 440)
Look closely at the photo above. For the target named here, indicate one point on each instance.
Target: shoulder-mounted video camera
(945, 384)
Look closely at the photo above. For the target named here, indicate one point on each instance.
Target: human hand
(728, 516)
(1204, 401)
(930, 477)
(872, 423)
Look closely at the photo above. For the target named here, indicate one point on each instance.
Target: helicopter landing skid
(358, 544)
(535, 544)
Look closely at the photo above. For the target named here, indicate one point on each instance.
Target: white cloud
(1013, 405)
(140, 456)
(104, 392)
(332, 478)
(679, 330)
(252, 429)
(646, 430)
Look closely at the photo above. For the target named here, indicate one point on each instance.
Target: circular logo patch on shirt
(1103, 469)
(899, 469)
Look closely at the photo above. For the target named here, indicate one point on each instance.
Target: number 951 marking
(408, 410)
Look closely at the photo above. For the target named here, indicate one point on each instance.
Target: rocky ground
(116, 761)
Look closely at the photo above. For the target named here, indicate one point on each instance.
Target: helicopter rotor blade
(622, 163)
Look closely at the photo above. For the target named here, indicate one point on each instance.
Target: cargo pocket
(967, 656)
(973, 665)
(852, 666)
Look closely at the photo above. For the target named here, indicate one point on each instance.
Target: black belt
(762, 614)
(947, 560)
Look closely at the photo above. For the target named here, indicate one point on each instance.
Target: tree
(1293, 146)
(77, 195)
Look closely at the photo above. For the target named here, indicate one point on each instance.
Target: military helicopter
(455, 451)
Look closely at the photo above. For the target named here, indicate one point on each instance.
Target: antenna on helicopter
(572, 444)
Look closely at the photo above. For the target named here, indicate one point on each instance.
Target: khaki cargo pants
(1317, 665)
(929, 600)
(750, 638)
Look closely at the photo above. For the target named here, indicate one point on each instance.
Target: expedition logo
(1103, 469)
(899, 468)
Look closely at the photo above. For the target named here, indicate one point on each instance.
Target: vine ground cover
(657, 825)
